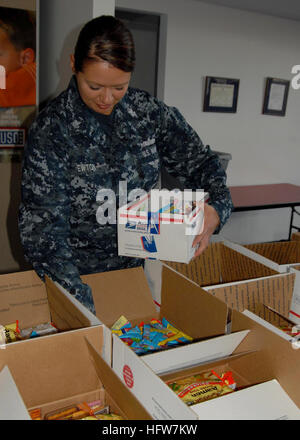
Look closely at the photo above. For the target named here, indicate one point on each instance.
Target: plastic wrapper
(202, 387)
(9, 333)
(38, 330)
(145, 338)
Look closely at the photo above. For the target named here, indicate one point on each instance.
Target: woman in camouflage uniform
(94, 135)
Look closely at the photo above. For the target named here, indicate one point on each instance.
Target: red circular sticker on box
(128, 376)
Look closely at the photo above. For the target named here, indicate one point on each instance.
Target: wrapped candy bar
(38, 330)
(204, 386)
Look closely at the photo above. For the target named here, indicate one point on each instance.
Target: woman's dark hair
(108, 39)
(19, 26)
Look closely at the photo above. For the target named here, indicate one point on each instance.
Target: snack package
(9, 333)
(39, 330)
(145, 338)
(83, 411)
(204, 386)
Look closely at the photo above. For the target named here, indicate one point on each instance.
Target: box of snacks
(63, 378)
(251, 373)
(219, 263)
(32, 308)
(161, 225)
(125, 306)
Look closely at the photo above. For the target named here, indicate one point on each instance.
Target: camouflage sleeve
(44, 210)
(193, 164)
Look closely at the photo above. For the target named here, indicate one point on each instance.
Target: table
(278, 195)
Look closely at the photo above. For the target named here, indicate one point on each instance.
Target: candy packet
(9, 333)
(202, 387)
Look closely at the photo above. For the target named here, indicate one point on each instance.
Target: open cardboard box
(149, 228)
(26, 298)
(126, 292)
(260, 295)
(279, 256)
(218, 264)
(295, 306)
(52, 373)
(265, 364)
(296, 236)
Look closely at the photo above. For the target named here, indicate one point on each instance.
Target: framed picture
(221, 94)
(276, 95)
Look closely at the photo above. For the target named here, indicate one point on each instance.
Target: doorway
(147, 33)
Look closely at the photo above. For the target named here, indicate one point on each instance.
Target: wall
(207, 40)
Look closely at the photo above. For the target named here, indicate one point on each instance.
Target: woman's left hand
(211, 222)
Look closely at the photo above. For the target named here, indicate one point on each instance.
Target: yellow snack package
(11, 332)
(201, 387)
(121, 323)
(110, 416)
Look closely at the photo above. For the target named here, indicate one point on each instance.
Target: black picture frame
(221, 94)
(276, 96)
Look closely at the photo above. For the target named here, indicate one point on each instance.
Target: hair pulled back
(105, 38)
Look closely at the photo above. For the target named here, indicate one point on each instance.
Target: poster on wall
(18, 95)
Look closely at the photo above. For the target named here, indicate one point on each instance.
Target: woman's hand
(211, 222)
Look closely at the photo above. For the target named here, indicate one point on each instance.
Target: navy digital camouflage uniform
(71, 153)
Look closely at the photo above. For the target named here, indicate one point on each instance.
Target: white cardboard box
(149, 229)
(54, 372)
(295, 306)
(220, 263)
(264, 397)
(279, 256)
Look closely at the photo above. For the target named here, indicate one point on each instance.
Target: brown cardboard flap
(53, 367)
(184, 304)
(23, 297)
(237, 267)
(277, 357)
(125, 400)
(275, 292)
(204, 270)
(64, 314)
(296, 236)
(121, 292)
(280, 252)
(271, 316)
(237, 364)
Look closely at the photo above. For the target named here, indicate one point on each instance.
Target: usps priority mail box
(161, 225)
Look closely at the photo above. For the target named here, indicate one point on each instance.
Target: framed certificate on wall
(221, 94)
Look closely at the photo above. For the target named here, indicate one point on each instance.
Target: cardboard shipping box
(53, 373)
(296, 236)
(295, 306)
(159, 226)
(270, 298)
(218, 264)
(25, 298)
(279, 256)
(264, 365)
(127, 293)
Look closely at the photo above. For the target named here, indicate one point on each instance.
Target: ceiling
(279, 8)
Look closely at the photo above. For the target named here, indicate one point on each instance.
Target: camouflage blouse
(70, 154)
